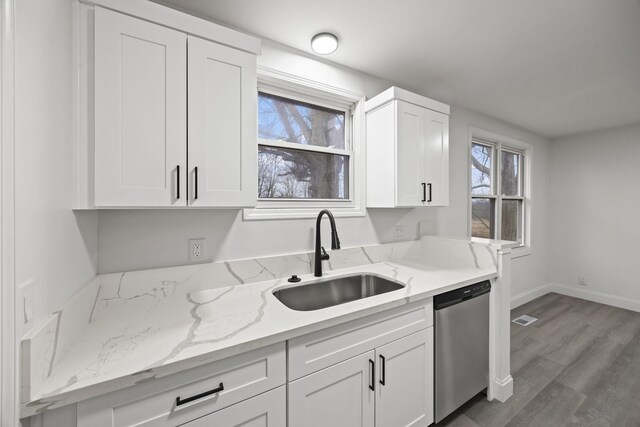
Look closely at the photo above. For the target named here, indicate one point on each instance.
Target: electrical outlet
(196, 250)
(582, 281)
(25, 305)
(397, 233)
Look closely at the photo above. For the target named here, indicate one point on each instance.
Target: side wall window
(498, 191)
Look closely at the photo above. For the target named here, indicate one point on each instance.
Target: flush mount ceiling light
(324, 43)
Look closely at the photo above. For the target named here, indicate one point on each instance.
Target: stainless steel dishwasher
(461, 346)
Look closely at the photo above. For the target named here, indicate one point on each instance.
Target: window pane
(482, 218)
(298, 174)
(481, 169)
(509, 174)
(283, 119)
(512, 220)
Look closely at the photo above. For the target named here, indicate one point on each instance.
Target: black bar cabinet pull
(424, 192)
(429, 184)
(372, 368)
(196, 186)
(199, 396)
(178, 183)
(383, 374)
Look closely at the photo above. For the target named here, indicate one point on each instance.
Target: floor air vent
(524, 320)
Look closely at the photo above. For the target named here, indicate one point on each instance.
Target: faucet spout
(320, 253)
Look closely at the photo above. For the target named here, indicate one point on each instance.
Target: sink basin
(328, 293)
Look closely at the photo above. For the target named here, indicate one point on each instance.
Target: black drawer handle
(178, 183)
(424, 192)
(429, 184)
(196, 192)
(199, 396)
(383, 374)
(372, 368)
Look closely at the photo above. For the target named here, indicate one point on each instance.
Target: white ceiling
(556, 67)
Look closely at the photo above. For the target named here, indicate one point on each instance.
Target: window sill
(258, 214)
(520, 251)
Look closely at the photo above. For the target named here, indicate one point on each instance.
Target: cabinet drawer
(266, 410)
(327, 347)
(241, 377)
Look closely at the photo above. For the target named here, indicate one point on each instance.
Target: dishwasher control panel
(458, 295)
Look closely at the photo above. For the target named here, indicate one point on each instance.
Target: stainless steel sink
(328, 293)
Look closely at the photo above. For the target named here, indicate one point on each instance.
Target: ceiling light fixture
(324, 43)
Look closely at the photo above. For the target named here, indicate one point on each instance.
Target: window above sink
(310, 149)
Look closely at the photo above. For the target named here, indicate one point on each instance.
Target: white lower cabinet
(212, 391)
(265, 410)
(404, 393)
(390, 385)
(338, 396)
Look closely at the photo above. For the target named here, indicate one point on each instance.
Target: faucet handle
(324, 255)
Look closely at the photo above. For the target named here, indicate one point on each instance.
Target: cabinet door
(410, 149)
(222, 126)
(338, 396)
(404, 395)
(436, 157)
(140, 112)
(265, 410)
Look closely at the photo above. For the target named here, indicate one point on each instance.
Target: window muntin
(303, 150)
(497, 191)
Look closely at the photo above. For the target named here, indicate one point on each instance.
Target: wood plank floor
(579, 364)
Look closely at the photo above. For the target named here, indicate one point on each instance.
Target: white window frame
(352, 103)
(503, 143)
(347, 151)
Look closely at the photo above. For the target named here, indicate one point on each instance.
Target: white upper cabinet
(222, 125)
(407, 151)
(140, 104)
(436, 158)
(166, 119)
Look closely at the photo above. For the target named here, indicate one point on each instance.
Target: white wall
(528, 272)
(595, 223)
(54, 247)
(139, 239)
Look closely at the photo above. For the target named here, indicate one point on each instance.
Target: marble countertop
(131, 343)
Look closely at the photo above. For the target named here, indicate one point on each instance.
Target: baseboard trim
(571, 291)
(530, 295)
(503, 389)
(602, 298)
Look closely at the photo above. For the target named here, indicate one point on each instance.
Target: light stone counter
(123, 344)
